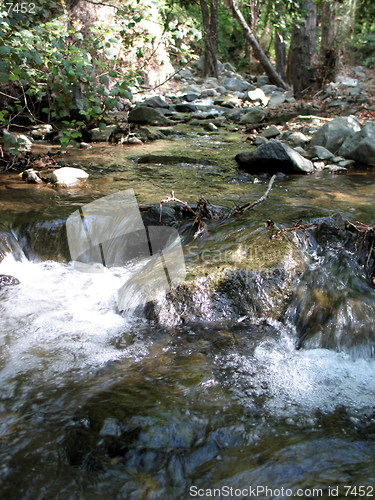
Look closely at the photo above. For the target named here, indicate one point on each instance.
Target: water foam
(59, 319)
(290, 381)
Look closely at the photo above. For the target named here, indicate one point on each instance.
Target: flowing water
(95, 404)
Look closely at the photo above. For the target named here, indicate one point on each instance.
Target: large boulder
(360, 146)
(333, 134)
(254, 279)
(273, 157)
(145, 115)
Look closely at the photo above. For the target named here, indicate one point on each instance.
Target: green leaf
(104, 79)
(112, 73)
(38, 59)
(5, 50)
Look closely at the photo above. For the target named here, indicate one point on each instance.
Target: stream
(97, 404)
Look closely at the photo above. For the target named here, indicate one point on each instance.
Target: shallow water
(97, 405)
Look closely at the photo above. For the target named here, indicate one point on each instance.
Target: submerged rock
(333, 305)
(273, 157)
(255, 280)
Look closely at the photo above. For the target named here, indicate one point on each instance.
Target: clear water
(96, 405)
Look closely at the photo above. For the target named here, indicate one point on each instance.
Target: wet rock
(31, 176)
(273, 157)
(235, 84)
(145, 115)
(9, 245)
(332, 134)
(301, 151)
(360, 146)
(68, 176)
(211, 127)
(255, 280)
(6, 280)
(333, 306)
(255, 115)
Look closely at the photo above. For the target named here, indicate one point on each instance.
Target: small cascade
(334, 303)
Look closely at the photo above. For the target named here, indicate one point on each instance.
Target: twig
(172, 197)
(297, 227)
(240, 210)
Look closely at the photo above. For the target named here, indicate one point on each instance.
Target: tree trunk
(328, 45)
(280, 46)
(257, 49)
(210, 24)
(301, 73)
(280, 50)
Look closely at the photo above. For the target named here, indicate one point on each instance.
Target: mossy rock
(255, 278)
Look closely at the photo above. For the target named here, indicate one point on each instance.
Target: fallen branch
(240, 210)
(172, 198)
(297, 227)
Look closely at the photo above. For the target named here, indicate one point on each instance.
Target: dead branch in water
(240, 210)
(298, 226)
(205, 211)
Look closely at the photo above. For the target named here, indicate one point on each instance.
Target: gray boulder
(332, 134)
(235, 84)
(273, 157)
(321, 153)
(156, 102)
(255, 115)
(147, 116)
(271, 132)
(295, 139)
(102, 134)
(276, 99)
(360, 146)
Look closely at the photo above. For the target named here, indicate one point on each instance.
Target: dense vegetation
(68, 62)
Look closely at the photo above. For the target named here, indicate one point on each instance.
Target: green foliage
(363, 45)
(51, 71)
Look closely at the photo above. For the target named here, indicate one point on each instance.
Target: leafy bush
(51, 72)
